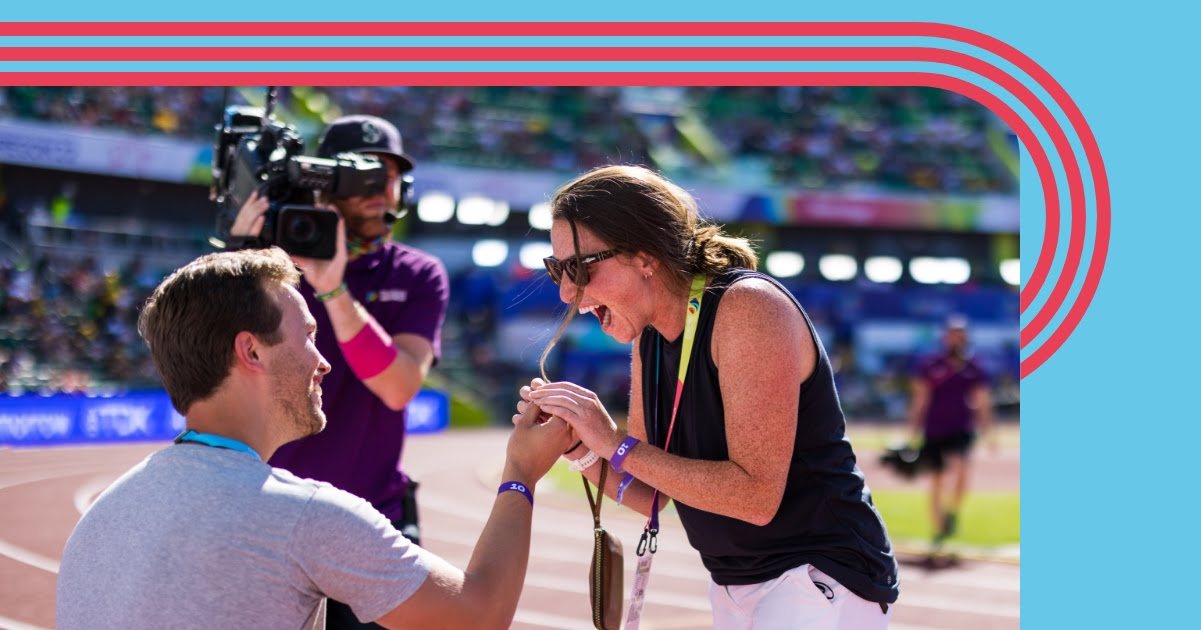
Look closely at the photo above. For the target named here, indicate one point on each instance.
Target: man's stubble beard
(305, 417)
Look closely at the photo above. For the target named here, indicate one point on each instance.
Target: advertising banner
(37, 420)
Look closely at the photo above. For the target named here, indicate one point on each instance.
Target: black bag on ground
(905, 460)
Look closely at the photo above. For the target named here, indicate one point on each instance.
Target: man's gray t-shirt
(203, 537)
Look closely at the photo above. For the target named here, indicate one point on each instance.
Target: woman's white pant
(803, 598)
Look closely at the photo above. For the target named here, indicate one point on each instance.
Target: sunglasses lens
(575, 270)
(580, 277)
(571, 267)
(554, 269)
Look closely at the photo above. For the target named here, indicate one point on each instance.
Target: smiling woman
(638, 212)
(745, 473)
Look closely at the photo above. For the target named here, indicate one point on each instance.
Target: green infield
(987, 519)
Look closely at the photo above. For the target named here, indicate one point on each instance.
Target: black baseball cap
(363, 134)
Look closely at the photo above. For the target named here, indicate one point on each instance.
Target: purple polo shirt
(950, 386)
(406, 291)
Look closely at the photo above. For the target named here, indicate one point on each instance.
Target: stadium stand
(79, 251)
(909, 138)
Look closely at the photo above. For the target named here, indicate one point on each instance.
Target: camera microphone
(392, 216)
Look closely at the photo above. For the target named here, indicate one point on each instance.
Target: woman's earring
(647, 275)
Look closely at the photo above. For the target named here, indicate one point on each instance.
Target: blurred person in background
(380, 306)
(759, 465)
(205, 534)
(949, 403)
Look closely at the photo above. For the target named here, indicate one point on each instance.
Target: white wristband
(584, 462)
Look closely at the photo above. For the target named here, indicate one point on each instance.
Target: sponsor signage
(36, 420)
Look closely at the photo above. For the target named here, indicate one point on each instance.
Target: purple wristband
(517, 487)
(619, 455)
(621, 487)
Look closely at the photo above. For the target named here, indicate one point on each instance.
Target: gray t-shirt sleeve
(351, 553)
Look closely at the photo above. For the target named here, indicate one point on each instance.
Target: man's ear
(248, 351)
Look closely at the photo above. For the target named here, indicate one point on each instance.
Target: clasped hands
(579, 408)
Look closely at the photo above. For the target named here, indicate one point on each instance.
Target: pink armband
(369, 352)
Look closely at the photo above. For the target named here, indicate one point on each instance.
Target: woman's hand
(581, 409)
(524, 392)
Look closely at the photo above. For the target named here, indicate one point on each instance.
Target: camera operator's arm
(405, 359)
(392, 367)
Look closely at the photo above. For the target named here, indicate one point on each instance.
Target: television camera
(254, 151)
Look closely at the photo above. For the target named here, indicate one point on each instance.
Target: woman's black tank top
(826, 518)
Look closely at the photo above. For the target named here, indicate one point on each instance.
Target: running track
(43, 493)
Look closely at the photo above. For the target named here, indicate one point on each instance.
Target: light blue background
(1111, 421)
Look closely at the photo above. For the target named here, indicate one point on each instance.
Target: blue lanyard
(217, 441)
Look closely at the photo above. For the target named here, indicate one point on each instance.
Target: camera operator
(379, 307)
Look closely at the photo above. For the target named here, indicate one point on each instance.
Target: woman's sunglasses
(575, 267)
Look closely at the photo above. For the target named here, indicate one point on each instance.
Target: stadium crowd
(68, 324)
(919, 139)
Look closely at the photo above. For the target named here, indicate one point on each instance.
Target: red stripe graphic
(899, 29)
(469, 29)
(511, 54)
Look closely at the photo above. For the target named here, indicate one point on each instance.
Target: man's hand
(534, 445)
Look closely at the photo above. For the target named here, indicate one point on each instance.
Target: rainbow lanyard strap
(360, 247)
(650, 533)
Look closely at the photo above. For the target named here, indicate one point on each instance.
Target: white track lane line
(13, 624)
(560, 552)
(20, 554)
(954, 604)
(580, 587)
(25, 556)
(555, 622)
(974, 580)
(87, 493)
(541, 549)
